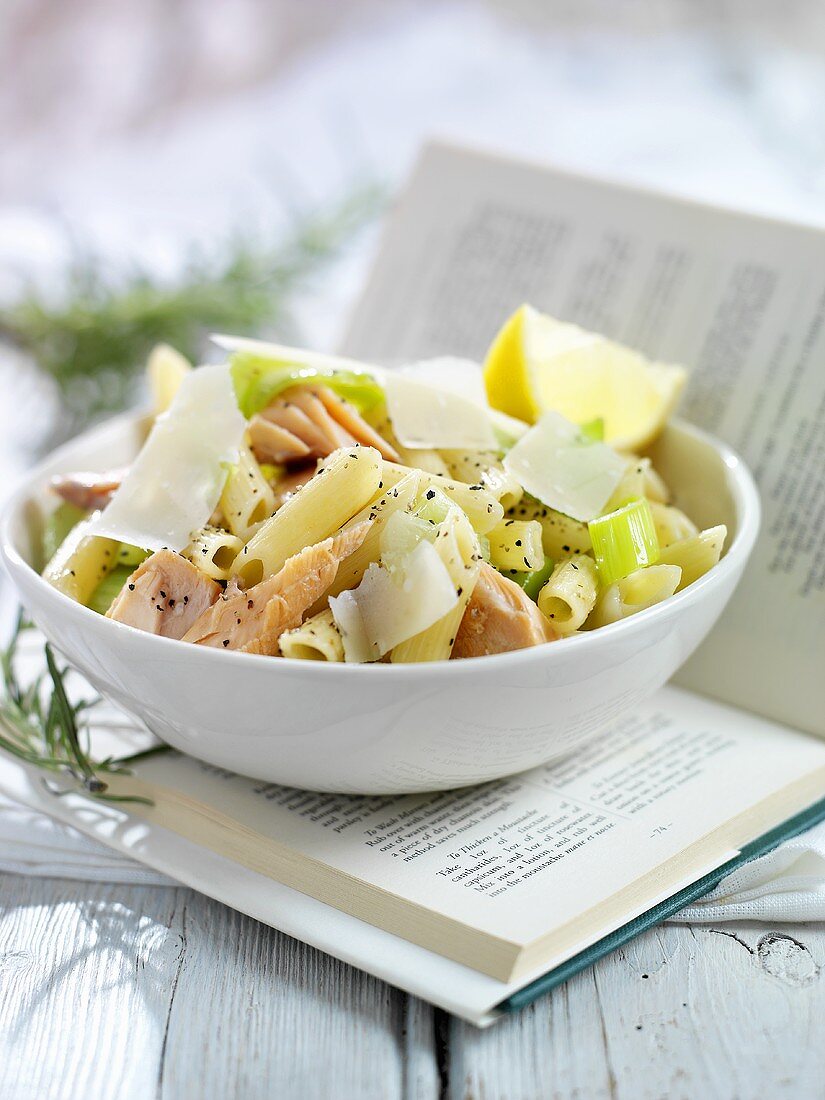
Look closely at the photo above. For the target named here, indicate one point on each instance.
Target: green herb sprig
(42, 727)
(93, 338)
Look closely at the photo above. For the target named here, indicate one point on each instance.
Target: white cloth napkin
(787, 884)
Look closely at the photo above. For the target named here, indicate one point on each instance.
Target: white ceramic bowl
(388, 728)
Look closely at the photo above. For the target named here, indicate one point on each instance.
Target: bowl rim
(748, 516)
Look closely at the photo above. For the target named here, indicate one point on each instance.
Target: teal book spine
(560, 974)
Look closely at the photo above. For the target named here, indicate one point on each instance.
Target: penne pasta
(570, 594)
(484, 468)
(81, 562)
(214, 551)
(348, 480)
(516, 544)
(399, 498)
(634, 593)
(561, 536)
(424, 458)
(695, 555)
(457, 546)
(130, 555)
(672, 525)
(631, 486)
(480, 506)
(639, 481)
(283, 496)
(247, 498)
(166, 368)
(317, 639)
(654, 486)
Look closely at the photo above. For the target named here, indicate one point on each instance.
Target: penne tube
(400, 497)
(166, 368)
(423, 458)
(516, 544)
(457, 546)
(634, 593)
(570, 594)
(317, 639)
(130, 555)
(672, 525)
(695, 555)
(655, 488)
(561, 536)
(631, 485)
(480, 506)
(81, 562)
(214, 551)
(348, 480)
(247, 499)
(484, 468)
(639, 480)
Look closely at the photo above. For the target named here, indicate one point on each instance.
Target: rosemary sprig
(93, 340)
(41, 726)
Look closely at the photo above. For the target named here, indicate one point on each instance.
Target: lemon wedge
(537, 364)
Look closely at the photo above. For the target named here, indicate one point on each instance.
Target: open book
(478, 899)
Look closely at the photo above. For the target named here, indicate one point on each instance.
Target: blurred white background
(138, 126)
(141, 106)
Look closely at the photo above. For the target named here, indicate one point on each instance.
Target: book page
(519, 857)
(738, 299)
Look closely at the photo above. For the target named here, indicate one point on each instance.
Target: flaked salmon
(499, 618)
(88, 491)
(272, 442)
(320, 420)
(165, 595)
(254, 620)
(348, 417)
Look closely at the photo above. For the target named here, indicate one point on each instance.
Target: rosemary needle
(39, 725)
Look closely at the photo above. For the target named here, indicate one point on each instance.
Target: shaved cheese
(448, 373)
(385, 610)
(175, 482)
(554, 465)
(439, 403)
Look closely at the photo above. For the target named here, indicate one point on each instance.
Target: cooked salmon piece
(253, 621)
(165, 595)
(322, 421)
(301, 413)
(274, 443)
(499, 618)
(87, 491)
(351, 420)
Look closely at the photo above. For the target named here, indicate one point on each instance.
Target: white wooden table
(135, 992)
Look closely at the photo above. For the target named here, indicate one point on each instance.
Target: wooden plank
(122, 992)
(257, 1014)
(733, 1011)
(84, 987)
(111, 991)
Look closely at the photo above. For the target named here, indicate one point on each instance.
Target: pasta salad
(297, 505)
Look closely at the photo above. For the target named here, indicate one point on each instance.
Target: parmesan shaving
(439, 403)
(554, 465)
(385, 610)
(174, 484)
